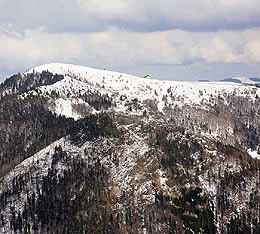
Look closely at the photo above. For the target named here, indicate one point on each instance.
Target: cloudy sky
(168, 39)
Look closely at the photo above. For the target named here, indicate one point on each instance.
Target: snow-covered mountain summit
(123, 88)
(70, 69)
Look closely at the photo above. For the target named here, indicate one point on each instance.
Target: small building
(147, 77)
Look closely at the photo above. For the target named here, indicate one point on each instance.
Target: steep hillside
(91, 151)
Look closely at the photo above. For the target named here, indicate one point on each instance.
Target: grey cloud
(115, 47)
(121, 33)
(131, 15)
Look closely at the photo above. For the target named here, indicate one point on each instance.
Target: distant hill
(243, 80)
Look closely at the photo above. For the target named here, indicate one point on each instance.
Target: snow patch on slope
(253, 154)
(65, 107)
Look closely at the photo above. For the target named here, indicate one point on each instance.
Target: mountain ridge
(77, 79)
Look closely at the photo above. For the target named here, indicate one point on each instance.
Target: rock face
(90, 151)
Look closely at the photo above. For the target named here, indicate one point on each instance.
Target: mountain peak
(58, 68)
(71, 69)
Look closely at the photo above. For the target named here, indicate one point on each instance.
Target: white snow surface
(65, 107)
(80, 80)
(253, 154)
